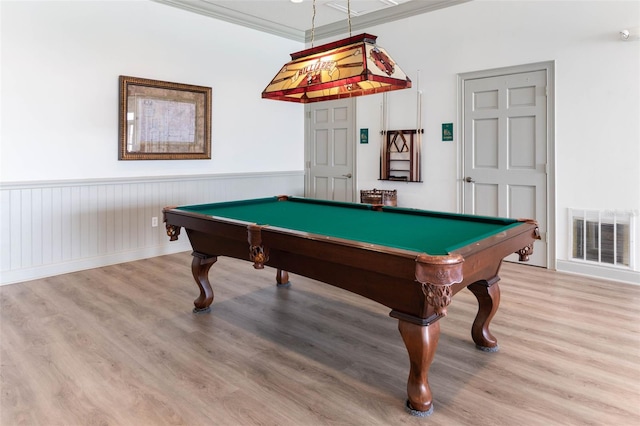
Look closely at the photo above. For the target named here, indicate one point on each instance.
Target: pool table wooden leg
(488, 295)
(421, 342)
(282, 278)
(200, 266)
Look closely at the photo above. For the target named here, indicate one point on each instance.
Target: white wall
(60, 66)
(66, 202)
(597, 99)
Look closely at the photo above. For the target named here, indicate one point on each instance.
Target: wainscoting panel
(50, 228)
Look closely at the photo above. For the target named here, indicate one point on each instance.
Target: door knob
(348, 175)
(469, 179)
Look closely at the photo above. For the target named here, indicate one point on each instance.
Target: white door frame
(549, 68)
(308, 109)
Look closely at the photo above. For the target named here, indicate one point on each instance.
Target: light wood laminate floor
(119, 345)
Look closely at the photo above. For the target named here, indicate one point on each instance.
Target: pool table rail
(374, 271)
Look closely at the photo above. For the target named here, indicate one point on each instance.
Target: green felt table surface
(422, 231)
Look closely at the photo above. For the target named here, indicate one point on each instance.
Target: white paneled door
(330, 173)
(505, 149)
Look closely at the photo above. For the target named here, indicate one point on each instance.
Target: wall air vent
(602, 236)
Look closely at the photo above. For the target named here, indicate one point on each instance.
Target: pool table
(412, 261)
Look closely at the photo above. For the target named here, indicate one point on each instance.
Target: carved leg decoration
(488, 295)
(172, 231)
(257, 253)
(282, 278)
(200, 269)
(438, 296)
(421, 342)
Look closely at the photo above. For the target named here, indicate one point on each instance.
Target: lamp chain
(313, 20)
(313, 23)
(349, 15)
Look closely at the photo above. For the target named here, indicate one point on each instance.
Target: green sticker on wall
(447, 132)
(364, 135)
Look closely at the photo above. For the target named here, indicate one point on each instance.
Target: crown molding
(395, 13)
(401, 11)
(222, 13)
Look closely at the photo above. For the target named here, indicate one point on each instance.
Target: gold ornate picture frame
(160, 120)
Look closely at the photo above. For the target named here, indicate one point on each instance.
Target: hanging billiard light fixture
(354, 66)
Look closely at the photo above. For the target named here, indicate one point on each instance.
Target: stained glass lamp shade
(351, 67)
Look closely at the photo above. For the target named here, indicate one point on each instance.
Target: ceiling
(291, 20)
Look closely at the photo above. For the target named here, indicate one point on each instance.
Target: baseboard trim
(44, 271)
(597, 271)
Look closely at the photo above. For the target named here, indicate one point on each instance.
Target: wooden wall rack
(400, 156)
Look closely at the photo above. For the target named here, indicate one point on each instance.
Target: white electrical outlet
(154, 221)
